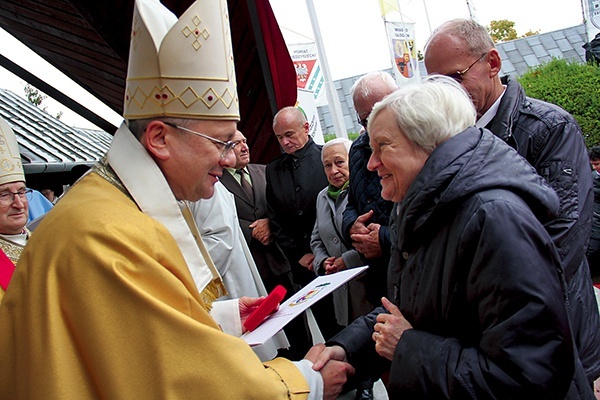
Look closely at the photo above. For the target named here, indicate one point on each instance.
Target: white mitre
(11, 168)
(181, 68)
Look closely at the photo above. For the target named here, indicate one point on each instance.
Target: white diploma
(299, 302)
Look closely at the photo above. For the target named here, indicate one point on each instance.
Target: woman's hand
(389, 329)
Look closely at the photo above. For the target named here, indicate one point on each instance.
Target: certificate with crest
(299, 302)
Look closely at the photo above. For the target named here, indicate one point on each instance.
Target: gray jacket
(326, 241)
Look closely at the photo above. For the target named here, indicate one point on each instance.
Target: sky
(352, 31)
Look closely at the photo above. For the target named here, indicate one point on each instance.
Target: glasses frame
(227, 146)
(362, 122)
(9, 201)
(458, 75)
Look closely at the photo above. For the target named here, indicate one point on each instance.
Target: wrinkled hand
(307, 261)
(336, 266)
(389, 329)
(261, 231)
(247, 305)
(328, 264)
(360, 225)
(368, 244)
(331, 362)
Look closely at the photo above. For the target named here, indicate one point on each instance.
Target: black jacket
(364, 194)
(293, 184)
(270, 258)
(478, 277)
(550, 139)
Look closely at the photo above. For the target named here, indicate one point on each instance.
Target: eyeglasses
(8, 197)
(227, 146)
(458, 75)
(363, 122)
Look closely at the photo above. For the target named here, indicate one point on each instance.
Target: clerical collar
(20, 238)
(491, 112)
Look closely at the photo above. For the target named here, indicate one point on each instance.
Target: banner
(388, 6)
(306, 103)
(591, 11)
(401, 37)
(309, 75)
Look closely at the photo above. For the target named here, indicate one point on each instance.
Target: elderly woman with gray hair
(476, 303)
(332, 254)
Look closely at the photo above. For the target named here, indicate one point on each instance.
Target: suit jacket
(268, 259)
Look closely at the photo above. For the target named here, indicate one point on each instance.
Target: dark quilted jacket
(550, 139)
(364, 194)
(476, 275)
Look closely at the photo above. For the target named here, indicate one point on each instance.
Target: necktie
(245, 184)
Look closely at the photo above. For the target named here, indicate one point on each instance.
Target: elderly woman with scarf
(332, 254)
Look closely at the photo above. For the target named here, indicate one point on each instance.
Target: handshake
(332, 364)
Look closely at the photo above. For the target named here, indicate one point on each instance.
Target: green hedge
(329, 136)
(574, 87)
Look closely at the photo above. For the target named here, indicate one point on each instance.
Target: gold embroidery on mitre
(11, 168)
(196, 32)
(189, 73)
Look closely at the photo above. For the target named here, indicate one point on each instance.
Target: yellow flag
(387, 6)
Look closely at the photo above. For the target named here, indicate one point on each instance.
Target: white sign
(309, 75)
(306, 102)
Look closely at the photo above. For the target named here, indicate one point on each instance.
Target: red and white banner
(308, 70)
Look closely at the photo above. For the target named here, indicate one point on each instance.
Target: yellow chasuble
(103, 306)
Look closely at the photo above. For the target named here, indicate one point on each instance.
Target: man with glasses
(550, 139)
(14, 207)
(115, 293)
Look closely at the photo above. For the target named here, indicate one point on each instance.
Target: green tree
(531, 33)
(502, 30)
(35, 97)
(574, 87)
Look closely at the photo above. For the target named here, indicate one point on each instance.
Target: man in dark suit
(251, 205)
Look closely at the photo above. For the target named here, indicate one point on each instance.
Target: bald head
(464, 50)
(370, 89)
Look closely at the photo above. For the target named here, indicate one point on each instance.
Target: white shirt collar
(491, 112)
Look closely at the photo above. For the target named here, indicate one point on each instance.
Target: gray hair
(429, 112)
(138, 126)
(475, 35)
(371, 82)
(337, 141)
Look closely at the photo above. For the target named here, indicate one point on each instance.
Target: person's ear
(306, 127)
(154, 139)
(495, 62)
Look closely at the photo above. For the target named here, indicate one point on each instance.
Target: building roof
(521, 54)
(88, 40)
(47, 144)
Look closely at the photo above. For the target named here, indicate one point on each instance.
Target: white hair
(371, 82)
(429, 112)
(338, 141)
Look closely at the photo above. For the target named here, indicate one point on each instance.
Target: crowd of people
(472, 204)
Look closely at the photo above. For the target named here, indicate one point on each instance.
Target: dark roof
(47, 144)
